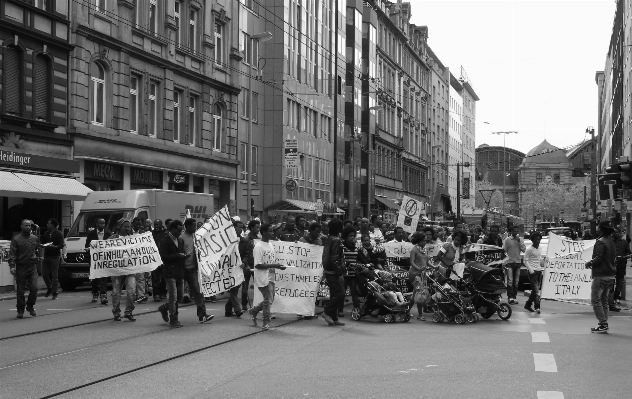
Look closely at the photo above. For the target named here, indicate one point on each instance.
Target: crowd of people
(350, 247)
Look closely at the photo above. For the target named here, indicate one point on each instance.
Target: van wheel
(67, 284)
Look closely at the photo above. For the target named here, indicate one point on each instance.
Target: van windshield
(87, 221)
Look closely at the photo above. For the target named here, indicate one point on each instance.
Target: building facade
(468, 138)
(489, 162)
(455, 147)
(36, 162)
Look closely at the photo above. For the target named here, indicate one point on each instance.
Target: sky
(532, 63)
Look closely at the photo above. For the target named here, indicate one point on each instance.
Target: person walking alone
(603, 272)
(123, 229)
(173, 254)
(23, 265)
(535, 265)
(53, 241)
(191, 270)
(265, 262)
(334, 269)
(99, 285)
(513, 246)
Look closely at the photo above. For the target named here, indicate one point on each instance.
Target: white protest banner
(489, 255)
(297, 286)
(219, 263)
(565, 273)
(213, 239)
(398, 254)
(124, 255)
(409, 214)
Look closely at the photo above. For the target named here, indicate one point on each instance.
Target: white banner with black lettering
(296, 287)
(565, 273)
(124, 255)
(219, 263)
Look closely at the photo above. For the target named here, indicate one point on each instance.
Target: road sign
(291, 153)
(290, 185)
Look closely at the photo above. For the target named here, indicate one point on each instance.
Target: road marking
(58, 309)
(413, 369)
(544, 362)
(537, 321)
(550, 395)
(431, 365)
(403, 371)
(540, 337)
(43, 358)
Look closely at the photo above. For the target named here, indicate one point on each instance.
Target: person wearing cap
(123, 229)
(603, 272)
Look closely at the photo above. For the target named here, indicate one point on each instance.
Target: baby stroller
(448, 302)
(373, 301)
(486, 285)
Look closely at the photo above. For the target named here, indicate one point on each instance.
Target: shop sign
(178, 178)
(11, 158)
(104, 171)
(146, 176)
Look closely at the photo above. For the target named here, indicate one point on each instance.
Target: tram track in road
(166, 360)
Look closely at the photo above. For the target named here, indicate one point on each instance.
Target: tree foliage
(546, 201)
(496, 200)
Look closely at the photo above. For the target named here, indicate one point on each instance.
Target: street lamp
(261, 37)
(593, 179)
(504, 162)
(431, 181)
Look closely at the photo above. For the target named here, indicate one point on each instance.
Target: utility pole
(458, 193)
(504, 164)
(335, 89)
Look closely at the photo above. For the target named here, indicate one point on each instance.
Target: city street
(72, 349)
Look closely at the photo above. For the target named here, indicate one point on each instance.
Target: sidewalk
(41, 290)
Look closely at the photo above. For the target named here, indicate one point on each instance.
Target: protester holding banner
(265, 262)
(99, 285)
(246, 248)
(535, 264)
(157, 280)
(334, 269)
(191, 270)
(313, 236)
(232, 307)
(123, 229)
(603, 270)
(173, 255)
(418, 265)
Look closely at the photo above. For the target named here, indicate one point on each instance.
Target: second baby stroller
(377, 300)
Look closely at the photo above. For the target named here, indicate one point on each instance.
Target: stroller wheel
(471, 318)
(356, 314)
(459, 319)
(487, 315)
(437, 317)
(403, 317)
(389, 318)
(504, 311)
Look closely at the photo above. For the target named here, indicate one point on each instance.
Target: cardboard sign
(124, 255)
(213, 240)
(565, 273)
(409, 214)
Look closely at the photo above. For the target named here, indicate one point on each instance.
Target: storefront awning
(387, 202)
(25, 185)
(298, 206)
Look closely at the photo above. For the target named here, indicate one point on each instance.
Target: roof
(576, 149)
(545, 153)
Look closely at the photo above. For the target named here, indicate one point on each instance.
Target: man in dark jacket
(493, 238)
(290, 233)
(172, 252)
(246, 248)
(603, 274)
(99, 285)
(621, 262)
(52, 256)
(157, 279)
(22, 264)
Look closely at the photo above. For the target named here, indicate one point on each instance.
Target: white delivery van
(114, 205)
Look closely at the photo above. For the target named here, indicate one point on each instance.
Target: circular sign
(290, 185)
(410, 208)
(179, 179)
(80, 257)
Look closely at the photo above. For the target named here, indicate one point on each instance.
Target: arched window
(217, 128)
(42, 87)
(13, 80)
(98, 95)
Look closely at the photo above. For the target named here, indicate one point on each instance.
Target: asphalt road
(74, 349)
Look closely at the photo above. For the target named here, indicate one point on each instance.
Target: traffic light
(609, 184)
(617, 182)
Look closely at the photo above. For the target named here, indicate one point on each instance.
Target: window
(191, 133)
(217, 128)
(252, 4)
(538, 178)
(42, 87)
(176, 15)
(153, 110)
(250, 49)
(13, 80)
(242, 161)
(255, 162)
(177, 118)
(556, 178)
(43, 4)
(219, 43)
(245, 104)
(133, 104)
(153, 16)
(98, 95)
(255, 107)
(100, 4)
(192, 29)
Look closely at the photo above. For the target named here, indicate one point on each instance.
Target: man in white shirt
(535, 265)
(264, 256)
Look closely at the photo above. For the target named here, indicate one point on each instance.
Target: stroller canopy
(486, 278)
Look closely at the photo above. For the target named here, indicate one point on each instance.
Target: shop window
(42, 87)
(198, 184)
(217, 128)
(153, 109)
(219, 43)
(98, 95)
(134, 107)
(13, 80)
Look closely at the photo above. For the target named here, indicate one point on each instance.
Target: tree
(547, 201)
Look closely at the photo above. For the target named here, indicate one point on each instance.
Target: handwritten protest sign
(124, 255)
(218, 255)
(565, 273)
(213, 239)
(297, 286)
(409, 214)
(489, 255)
(398, 254)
